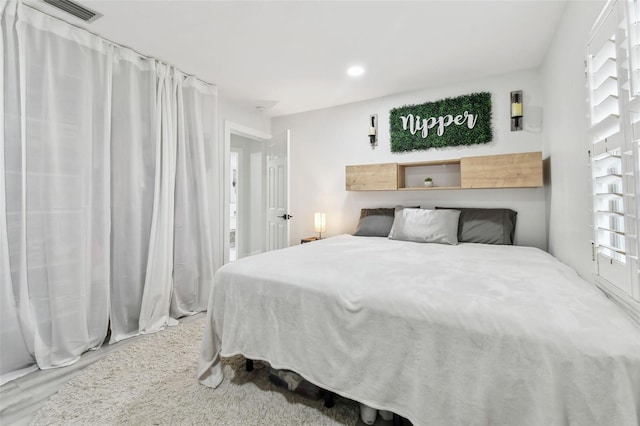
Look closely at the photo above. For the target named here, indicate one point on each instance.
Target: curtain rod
(113, 43)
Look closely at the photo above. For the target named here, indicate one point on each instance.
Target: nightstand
(308, 240)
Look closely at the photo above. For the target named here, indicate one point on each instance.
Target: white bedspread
(471, 334)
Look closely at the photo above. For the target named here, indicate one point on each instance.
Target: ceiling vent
(74, 9)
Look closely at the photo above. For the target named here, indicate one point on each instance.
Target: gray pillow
(486, 226)
(426, 226)
(375, 222)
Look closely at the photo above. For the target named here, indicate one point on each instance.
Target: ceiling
(292, 56)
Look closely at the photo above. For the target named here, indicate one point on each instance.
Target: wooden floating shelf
(521, 170)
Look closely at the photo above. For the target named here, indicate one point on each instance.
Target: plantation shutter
(633, 155)
(613, 75)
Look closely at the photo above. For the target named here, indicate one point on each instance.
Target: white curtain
(133, 118)
(193, 274)
(154, 314)
(19, 359)
(104, 187)
(56, 189)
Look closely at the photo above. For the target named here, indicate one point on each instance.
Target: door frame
(232, 128)
(239, 191)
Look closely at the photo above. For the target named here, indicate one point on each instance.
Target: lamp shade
(516, 109)
(320, 222)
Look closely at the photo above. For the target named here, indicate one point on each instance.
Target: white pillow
(426, 226)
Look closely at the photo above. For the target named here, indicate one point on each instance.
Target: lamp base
(516, 124)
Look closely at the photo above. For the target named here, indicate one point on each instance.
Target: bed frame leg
(328, 399)
(248, 366)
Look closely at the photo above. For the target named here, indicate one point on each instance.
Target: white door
(278, 216)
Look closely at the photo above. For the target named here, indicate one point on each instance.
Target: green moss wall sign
(465, 120)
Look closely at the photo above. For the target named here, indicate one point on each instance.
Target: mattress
(471, 334)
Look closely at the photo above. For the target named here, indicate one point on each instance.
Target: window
(613, 74)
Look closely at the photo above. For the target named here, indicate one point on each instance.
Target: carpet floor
(154, 382)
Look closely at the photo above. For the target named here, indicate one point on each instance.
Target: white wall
(565, 138)
(323, 142)
(246, 116)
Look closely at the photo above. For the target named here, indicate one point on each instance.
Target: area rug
(153, 382)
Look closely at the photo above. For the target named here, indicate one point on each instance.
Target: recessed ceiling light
(355, 71)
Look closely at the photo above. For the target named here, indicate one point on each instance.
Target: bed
(466, 334)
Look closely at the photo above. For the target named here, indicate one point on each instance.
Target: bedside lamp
(320, 223)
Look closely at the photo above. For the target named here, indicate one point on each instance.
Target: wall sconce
(373, 130)
(516, 110)
(320, 223)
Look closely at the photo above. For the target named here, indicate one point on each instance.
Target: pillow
(486, 226)
(426, 226)
(376, 222)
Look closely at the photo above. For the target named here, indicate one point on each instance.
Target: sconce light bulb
(516, 109)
